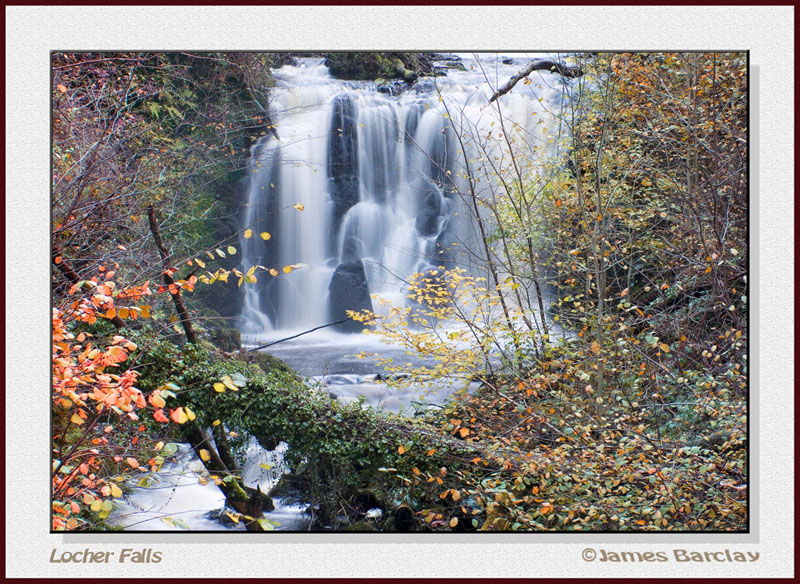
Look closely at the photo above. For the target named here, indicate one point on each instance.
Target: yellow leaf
(205, 456)
(234, 518)
(288, 269)
(401, 449)
(190, 414)
(76, 419)
(96, 505)
(219, 388)
(248, 233)
(265, 236)
(229, 383)
(454, 522)
(299, 206)
(215, 423)
(200, 262)
(231, 250)
(455, 494)
(664, 347)
(115, 491)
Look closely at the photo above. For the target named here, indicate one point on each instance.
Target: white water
(377, 176)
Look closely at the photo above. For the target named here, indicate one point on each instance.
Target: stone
(343, 157)
(228, 339)
(269, 363)
(427, 222)
(348, 290)
(405, 519)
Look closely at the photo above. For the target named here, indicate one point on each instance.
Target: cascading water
(377, 177)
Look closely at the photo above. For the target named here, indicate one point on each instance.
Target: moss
(269, 363)
(361, 526)
(227, 339)
(371, 66)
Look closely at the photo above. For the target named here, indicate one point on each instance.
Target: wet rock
(427, 222)
(343, 157)
(348, 290)
(405, 519)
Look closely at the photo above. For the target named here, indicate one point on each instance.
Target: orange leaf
(179, 416)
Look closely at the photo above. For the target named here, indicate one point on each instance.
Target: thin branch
(543, 65)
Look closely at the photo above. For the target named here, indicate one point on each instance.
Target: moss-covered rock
(227, 339)
(361, 526)
(371, 66)
(269, 363)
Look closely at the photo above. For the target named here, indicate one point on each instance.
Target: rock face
(427, 222)
(348, 290)
(343, 157)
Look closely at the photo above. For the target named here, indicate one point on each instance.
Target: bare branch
(542, 65)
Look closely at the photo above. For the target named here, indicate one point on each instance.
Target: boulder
(405, 519)
(348, 290)
(227, 339)
(269, 363)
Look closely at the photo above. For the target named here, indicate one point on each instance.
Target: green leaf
(170, 449)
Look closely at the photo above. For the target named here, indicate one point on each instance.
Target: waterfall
(377, 176)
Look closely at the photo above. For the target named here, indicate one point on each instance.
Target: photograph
(382, 292)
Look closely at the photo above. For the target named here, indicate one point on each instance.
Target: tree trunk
(180, 308)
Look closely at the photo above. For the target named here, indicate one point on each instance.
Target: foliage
(99, 436)
(641, 236)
